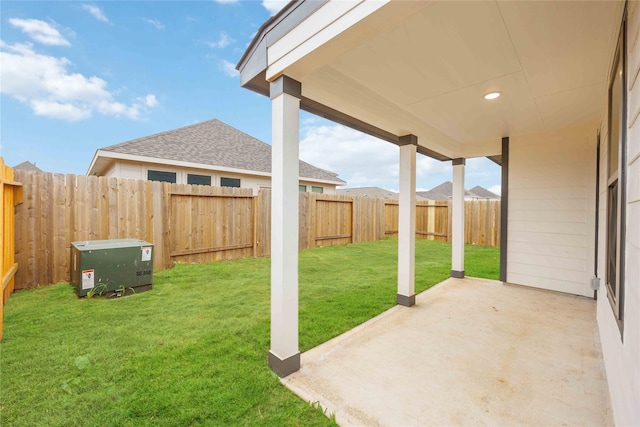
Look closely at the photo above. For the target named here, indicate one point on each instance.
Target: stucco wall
(551, 209)
(622, 350)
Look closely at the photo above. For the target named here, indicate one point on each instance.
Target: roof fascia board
(254, 59)
(179, 163)
(496, 159)
(330, 21)
(93, 162)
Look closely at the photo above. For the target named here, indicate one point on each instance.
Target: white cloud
(45, 84)
(274, 6)
(40, 31)
(150, 101)
(360, 159)
(223, 41)
(228, 68)
(157, 24)
(57, 110)
(96, 12)
(496, 189)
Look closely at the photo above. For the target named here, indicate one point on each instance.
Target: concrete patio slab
(470, 352)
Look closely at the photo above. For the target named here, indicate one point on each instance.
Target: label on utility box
(146, 253)
(88, 279)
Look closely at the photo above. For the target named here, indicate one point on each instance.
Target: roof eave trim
(93, 161)
(254, 60)
(179, 163)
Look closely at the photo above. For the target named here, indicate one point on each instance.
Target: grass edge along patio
(564, 128)
(193, 350)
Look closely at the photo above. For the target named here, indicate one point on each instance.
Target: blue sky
(77, 76)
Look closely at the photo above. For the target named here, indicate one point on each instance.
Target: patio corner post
(407, 221)
(284, 356)
(457, 219)
(504, 209)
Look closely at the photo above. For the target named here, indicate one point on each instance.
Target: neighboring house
(549, 90)
(371, 192)
(27, 166)
(207, 153)
(479, 192)
(444, 191)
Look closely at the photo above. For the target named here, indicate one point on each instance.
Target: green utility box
(111, 266)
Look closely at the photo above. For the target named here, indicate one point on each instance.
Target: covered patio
(471, 352)
(548, 90)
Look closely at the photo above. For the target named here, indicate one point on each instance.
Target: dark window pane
(319, 190)
(229, 182)
(302, 188)
(161, 176)
(612, 237)
(198, 179)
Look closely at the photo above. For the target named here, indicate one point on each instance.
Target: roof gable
(444, 191)
(27, 166)
(212, 144)
(372, 192)
(483, 193)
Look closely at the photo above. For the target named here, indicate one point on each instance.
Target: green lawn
(193, 350)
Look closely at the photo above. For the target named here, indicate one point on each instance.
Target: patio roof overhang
(392, 68)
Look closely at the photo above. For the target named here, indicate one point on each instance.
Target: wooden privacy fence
(11, 195)
(190, 223)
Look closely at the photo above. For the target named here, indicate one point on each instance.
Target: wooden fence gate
(194, 223)
(10, 196)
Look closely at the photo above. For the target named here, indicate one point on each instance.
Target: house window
(198, 179)
(230, 182)
(302, 188)
(161, 176)
(318, 190)
(616, 182)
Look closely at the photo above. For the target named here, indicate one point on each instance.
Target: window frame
(616, 182)
(239, 182)
(189, 175)
(314, 189)
(175, 176)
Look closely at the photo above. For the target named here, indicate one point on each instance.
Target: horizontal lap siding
(622, 350)
(551, 221)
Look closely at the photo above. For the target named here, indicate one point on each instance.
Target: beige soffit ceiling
(427, 74)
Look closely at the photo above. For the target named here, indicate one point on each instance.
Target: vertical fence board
(201, 223)
(10, 196)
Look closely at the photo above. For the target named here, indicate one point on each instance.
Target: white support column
(457, 219)
(407, 221)
(284, 356)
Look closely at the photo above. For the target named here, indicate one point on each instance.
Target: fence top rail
(10, 182)
(333, 200)
(229, 196)
(419, 203)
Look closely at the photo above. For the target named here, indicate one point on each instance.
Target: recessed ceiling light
(492, 95)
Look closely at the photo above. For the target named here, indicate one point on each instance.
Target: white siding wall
(133, 170)
(622, 354)
(551, 210)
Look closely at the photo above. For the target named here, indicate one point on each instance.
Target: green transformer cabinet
(111, 266)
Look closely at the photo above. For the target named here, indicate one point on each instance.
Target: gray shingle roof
(444, 191)
(213, 143)
(371, 192)
(28, 166)
(483, 193)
